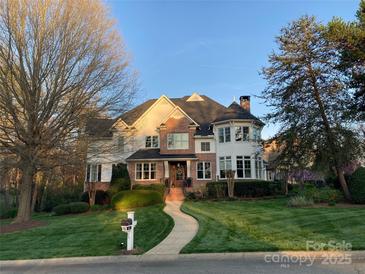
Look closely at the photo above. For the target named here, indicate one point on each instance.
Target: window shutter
(88, 173)
(99, 173)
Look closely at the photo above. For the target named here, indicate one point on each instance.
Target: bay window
(259, 168)
(243, 167)
(242, 133)
(224, 135)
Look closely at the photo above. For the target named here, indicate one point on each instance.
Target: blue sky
(215, 48)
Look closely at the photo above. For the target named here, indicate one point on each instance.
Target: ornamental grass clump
(300, 201)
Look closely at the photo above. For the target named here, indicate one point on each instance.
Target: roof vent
(195, 97)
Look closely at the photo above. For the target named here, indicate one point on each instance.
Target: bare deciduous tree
(60, 63)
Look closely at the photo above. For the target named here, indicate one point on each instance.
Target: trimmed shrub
(299, 201)
(62, 209)
(247, 188)
(119, 184)
(101, 197)
(9, 213)
(78, 207)
(135, 198)
(323, 195)
(357, 185)
(155, 187)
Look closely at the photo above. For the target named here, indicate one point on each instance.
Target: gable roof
(131, 116)
(236, 112)
(204, 112)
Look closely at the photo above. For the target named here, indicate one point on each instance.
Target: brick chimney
(245, 103)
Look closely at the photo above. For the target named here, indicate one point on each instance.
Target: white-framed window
(247, 165)
(225, 163)
(178, 140)
(256, 134)
(243, 165)
(151, 141)
(145, 171)
(259, 167)
(239, 166)
(205, 146)
(242, 133)
(204, 170)
(93, 173)
(120, 143)
(224, 134)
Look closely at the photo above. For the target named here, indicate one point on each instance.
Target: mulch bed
(20, 227)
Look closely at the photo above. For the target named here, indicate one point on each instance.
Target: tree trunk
(343, 183)
(34, 197)
(25, 197)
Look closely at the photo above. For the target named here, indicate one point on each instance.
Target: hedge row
(249, 188)
(76, 207)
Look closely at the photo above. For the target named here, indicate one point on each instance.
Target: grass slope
(90, 234)
(269, 225)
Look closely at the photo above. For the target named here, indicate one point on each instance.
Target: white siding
(234, 149)
(198, 145)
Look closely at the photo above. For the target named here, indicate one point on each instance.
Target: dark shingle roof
(235, 111)
(202, 112)
(131, 116)
(145, 154)
(98, 127)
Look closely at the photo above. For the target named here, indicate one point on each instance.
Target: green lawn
(90, 234)
(269, 225)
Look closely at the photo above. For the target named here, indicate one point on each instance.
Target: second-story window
(256, 134)
(242, 134)
(205, 146)
(224, 134)
(178, 141)
(151, 141)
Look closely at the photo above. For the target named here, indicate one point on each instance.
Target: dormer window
(152, 141)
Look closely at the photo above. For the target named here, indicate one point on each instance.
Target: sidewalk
(184, 230)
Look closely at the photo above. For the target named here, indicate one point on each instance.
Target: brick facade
(173, 125)
(104, 186)
(207, 157)
(159, 173)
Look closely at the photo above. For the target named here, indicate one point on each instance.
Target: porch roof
(154, 154)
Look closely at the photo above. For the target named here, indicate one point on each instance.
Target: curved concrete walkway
(184, 230)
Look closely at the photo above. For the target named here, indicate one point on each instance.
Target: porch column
(166, 166)
(188, 169)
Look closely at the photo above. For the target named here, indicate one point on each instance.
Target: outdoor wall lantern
(127, 226)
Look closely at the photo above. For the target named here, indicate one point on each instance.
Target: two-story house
(177, 138)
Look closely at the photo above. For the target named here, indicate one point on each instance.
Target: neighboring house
(174, 139)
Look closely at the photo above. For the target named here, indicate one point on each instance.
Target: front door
(177, 173)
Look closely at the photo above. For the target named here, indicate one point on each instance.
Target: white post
(188, 169)
(166, 166)
(130, 234)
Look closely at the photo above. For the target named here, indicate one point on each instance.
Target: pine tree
(309, 99)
